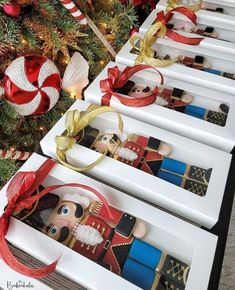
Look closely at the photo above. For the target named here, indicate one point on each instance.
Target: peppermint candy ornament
(32, 85)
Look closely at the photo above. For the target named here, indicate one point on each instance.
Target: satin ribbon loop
(8, 212)
(161, 17)
(106, 86)
(109, 85)
(113, 74)
(64, 143)
(144, 46)
(159, 30)
(171, 4)
(19, 190)
(75, 123)
(164, 19)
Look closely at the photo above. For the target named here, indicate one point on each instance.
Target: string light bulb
(12, 148)
(41, 128)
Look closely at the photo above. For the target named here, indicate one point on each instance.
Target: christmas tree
(41, 27)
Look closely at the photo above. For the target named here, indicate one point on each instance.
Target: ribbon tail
(16, 265)
(135, 42)
(41, 174)
(186, 12)
(172, 5)
(136, 102)
(130, 71)
(105, 99)
(183, 39)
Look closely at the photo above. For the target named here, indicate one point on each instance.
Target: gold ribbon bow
(146, 53)
(171, 4)
(76, 122)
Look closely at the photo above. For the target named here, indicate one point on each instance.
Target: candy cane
(85, 19)
(14, 155)
(76, 13)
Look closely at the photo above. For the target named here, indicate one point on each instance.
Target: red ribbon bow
(165, 18)
(117, 80)
(19, 195)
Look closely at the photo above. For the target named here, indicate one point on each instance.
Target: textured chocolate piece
(125, 225)
(170, 25)
(177, 93)
(174, 272)
(209, 29)
(153, 144)
(127, 88)
(168, 284)
(219, 9)
(195, 187)
(199, 59)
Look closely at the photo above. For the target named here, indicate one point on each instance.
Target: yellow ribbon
(171, 4)
(76, 122)
(146, 53)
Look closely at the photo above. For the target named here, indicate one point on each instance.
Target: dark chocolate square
(126, 89)
(224, 108)
(195, 187)
(153, 143)
(219, 9)
(166, 284)
(87, 137)
(209, 29)
(199, 59)
(170, 25)
(174, 270)
(125, 225)
(177, 93)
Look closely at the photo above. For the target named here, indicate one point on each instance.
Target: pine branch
(9, 30)
(8, 168)
(2, 2)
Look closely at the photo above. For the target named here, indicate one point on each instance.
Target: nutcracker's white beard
(161, 102)
(88, 235)
(127, 154)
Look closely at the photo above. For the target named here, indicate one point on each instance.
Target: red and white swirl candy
(32, 85)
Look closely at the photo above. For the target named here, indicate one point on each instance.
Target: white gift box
(220, 137)
(226, 33)
(11, 280)
(225, 18)
(216, 59)
(202, 210)
(227, 5)
(179, 238)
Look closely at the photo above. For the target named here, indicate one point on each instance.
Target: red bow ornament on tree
(151, 3)
(19, 195)
(163, 19)
(116, 80)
